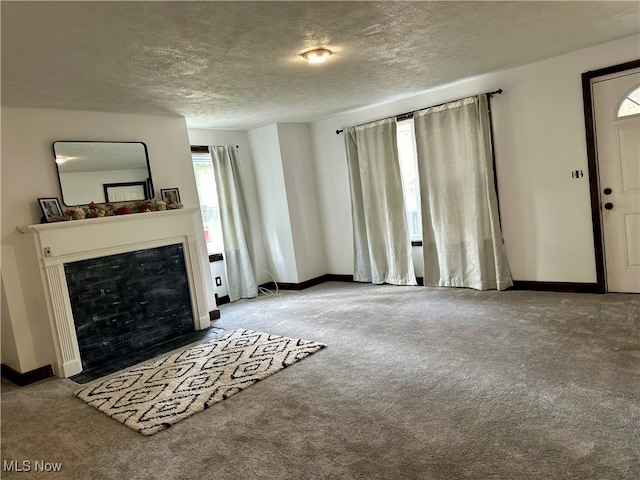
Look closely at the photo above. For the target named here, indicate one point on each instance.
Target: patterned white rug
(152, 397)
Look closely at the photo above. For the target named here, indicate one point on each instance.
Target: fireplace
(117, 284)
(129, 301)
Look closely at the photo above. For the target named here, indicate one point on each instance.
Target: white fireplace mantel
(63, 242)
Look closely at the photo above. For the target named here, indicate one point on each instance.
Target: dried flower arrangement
(94, 210)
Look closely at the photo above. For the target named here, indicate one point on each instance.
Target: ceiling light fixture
(60, 160)
(317, 55)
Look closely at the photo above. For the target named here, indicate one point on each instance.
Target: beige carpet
(417, 384)
(152, 397)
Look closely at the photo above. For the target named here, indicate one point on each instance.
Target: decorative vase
(124, 210)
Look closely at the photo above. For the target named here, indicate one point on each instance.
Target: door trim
(592, 165)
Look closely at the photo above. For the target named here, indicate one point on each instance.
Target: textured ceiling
(237, 64)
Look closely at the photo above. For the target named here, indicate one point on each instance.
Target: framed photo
(50, 208)
(170, 196)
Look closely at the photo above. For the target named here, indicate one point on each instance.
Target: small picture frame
(50, 208)
(170, 196)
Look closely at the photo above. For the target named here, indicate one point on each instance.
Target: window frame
(213, 248)
(625, 98)
(406, 123)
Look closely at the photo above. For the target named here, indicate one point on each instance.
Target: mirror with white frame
(103, 172)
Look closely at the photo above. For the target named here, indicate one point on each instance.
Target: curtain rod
(404, 116)
(203, 148)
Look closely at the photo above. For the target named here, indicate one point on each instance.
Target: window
(206, 184)
(630, 105)
(410, 182)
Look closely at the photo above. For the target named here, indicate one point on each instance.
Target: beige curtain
(382, 247)
(234, 220)
(462, 241)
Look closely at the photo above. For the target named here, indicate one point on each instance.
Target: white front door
(617, 127)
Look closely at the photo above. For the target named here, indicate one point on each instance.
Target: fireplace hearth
(121, 362)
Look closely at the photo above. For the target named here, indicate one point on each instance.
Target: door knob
(608, 205)
(608, 191)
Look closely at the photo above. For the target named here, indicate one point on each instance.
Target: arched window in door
(630, 104)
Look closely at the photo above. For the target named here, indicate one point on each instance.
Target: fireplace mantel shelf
(110, 219)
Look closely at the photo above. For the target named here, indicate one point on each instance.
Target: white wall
(9, 351)
(539, 139)
(302, 199)
(281, 197)
(273, 206)
(29, 172)
(219, 269)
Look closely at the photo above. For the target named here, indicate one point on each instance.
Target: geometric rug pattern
(152, 397)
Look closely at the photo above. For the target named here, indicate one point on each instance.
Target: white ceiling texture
(238, 65)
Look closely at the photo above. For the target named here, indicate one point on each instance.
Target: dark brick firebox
(126, 302)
